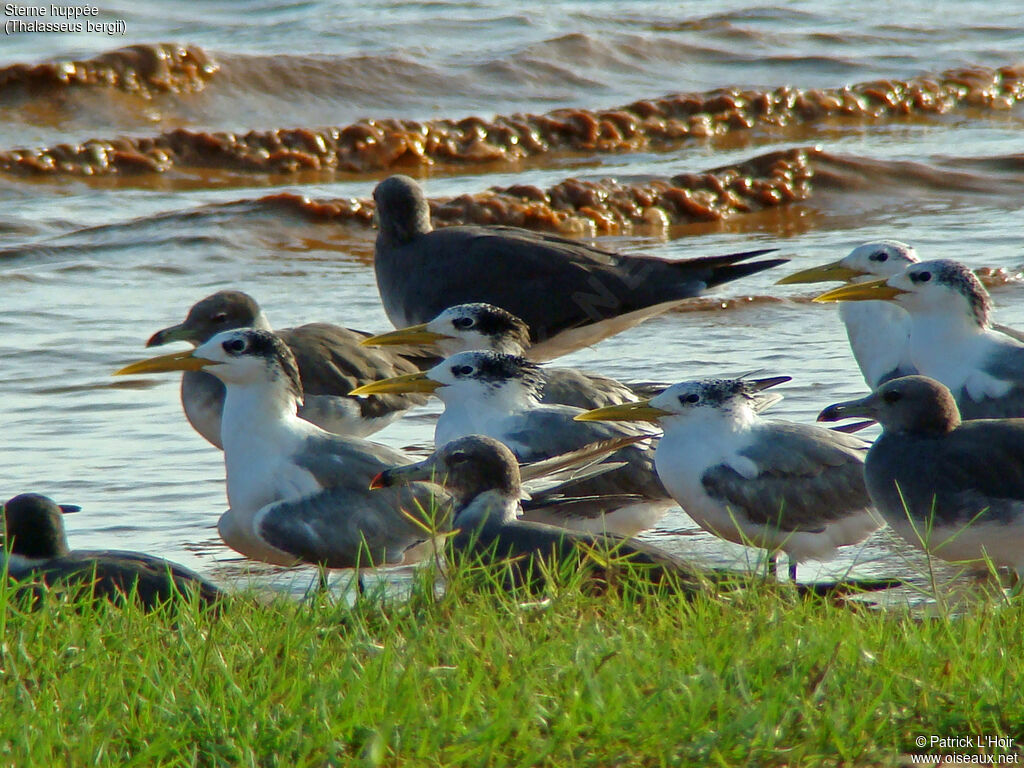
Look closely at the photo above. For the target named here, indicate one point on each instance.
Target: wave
(141, 69)
(774, 188)
(371, 146)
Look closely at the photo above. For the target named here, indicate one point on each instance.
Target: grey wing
(339, 460)
(332, 363)
(1006, 362)
(808, 476)
(569, 386)
(545, 432)
(343, 528)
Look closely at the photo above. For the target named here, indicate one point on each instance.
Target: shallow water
(89, 268)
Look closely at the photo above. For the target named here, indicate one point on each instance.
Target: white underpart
(260, 434)
(879, 334)
(474, 408)
(949, 346)
(624, 521)
(708, 436)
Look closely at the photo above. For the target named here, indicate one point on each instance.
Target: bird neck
(940, 339)
(468, 411)
(398, 231)
(261, 323)
(258, 410)
(494, 507)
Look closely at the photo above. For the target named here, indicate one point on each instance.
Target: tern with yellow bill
(497, 395)
(879, 331)
(776, 485)
(330, 358)
(952, 338)
(297, 493)
(478, 326)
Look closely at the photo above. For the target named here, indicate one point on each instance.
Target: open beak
(174, 333)
(863, 408)
(876, 290)
(821, 274)
(421, 471)
(414, 334)
(411, 382)
(68, 509)
(641, 411)
(177, 361)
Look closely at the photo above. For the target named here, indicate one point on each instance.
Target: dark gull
(37, 548)
(568, 293)
(331, 362)
(955, 489)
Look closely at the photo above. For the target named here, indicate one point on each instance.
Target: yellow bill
(821, 274)
(411, 382)
(876, 290)
(176, 361)
(640, 411)
(414, 334)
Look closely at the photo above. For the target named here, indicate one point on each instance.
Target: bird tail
(722, 269)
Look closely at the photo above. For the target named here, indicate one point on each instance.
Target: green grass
(756, 676)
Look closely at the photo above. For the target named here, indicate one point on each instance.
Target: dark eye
(892, 396)
(458, 457)
(690, 398)
(463, 322)
(880, 256)
(234, 346)
(462, 370)
(220, 317)
(922, 277)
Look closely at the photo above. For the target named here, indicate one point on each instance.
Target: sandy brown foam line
(581, 208)
(139, 69)
(375, 145)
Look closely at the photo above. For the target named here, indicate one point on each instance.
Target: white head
(879, 258)
(243, 357)
(480, 376)
(735, 402)
(467, 327)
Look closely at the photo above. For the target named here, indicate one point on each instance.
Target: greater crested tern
(951, 335)
(955, 489)
(479, 326)
(297, 493)
(36, 547)
(497, 395)
(331, 362)
(482, 475)
(772, 484)
(569, 294)
(878, 331)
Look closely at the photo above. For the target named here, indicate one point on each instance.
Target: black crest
(495, 322)
(269, 345)
(965, 282)
(495, 367)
